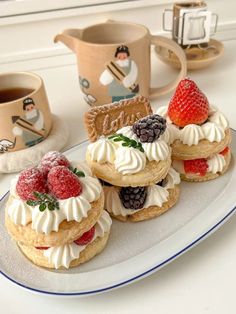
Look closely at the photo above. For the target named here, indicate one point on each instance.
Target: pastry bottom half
(194, 177)
(151, 211)
(37, 257)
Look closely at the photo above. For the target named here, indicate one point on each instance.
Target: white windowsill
(32, 10)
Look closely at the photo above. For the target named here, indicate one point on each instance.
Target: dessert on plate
(198, 133)
(55, 213)
(133, 161)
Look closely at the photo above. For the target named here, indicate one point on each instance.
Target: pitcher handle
(69, 37)
(171, 45)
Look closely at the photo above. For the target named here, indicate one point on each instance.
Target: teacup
(114, 61)
(25, 117)
(192, 23)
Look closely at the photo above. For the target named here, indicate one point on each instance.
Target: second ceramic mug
(25, 116)
(114, 60)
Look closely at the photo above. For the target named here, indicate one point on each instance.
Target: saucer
(21, 159)
(197, 58)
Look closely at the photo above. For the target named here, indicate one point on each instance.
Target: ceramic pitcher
(114, 61)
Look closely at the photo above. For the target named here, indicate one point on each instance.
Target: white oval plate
(134, 250)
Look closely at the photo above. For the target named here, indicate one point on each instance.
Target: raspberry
(51, 160)
(31, 180)
(42, 247)
(86, 237)
(198, 166)
(63, 183)
(148, 129)
(188, 105)
(133, 198)
(225, 151)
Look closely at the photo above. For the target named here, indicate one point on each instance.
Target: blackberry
(133, 198)
(149, 129)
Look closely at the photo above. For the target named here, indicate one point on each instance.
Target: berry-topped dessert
(132, 156)
(198, 132)
(55, 213)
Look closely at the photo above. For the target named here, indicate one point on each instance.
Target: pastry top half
(136, 155)
(54, 203)
(129, 146)
(197, 129)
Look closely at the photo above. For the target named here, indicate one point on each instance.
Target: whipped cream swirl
(171, 133)
(216, 163)
(62, 256)
(103, 150)
(213, 132)
(19, 212)
(157, 150)
(156, 196)
(172, 179)
(218, 118)
(46, 221)
(129, 160)
(191, 134)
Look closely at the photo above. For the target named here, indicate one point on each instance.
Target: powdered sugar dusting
(30, 181)
(51, 160)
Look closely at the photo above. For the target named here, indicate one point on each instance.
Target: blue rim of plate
(132, 279)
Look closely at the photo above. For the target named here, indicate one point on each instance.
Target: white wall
(26, 41)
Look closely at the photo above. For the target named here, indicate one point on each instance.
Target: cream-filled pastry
(196, 130)
(132, 158)
(73, 253)
(53, 204)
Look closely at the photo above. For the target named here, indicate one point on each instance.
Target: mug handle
(171, 45)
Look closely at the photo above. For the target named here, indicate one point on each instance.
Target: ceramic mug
(114, 60)
(25, 117)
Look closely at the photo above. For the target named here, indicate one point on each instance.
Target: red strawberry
(31, 180)
(188, 105)
(198, 166)
(51, 160)
(63, 183)
(225, 151)
(86, 237)
(42, 247)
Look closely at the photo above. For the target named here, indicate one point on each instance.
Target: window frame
(11, 8)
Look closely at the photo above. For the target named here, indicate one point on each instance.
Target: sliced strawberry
(225, 151)
(42, 247)
(86, 237)
(198, 166)
(188, 105)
